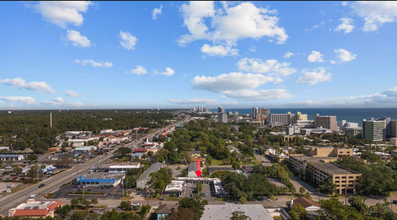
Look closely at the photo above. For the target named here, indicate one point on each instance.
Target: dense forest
(32, 128)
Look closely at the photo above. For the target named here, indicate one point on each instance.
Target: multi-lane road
(53, 183)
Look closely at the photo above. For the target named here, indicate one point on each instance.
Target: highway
(52, 184)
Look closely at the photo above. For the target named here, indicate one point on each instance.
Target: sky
(101, 55)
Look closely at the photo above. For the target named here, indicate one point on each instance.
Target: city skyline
(106, 55)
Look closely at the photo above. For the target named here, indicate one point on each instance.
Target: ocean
(349, 114)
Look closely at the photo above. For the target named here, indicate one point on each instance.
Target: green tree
(297, 212)
(32, 157)
(17, 169)
(302, 190)
(328, 186)
(79, 215)
(199, 187)
(182, 214)
(358, 202)
(333, 209)
(63, 211)
(194, 204)
(239, 215)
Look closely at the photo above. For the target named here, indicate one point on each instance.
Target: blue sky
(183, 54)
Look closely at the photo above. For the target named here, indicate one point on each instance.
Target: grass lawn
(216, 162)
(219, 199)
(393, 193)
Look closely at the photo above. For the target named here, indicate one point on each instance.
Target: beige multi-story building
(331, 152)
(263, 114)
(393, 141)
(328, 122)
(323, 168)
(288, 118)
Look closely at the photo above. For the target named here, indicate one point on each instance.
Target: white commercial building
(123, 168)
(175, 188)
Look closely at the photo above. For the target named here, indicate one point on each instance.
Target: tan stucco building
(323, 167)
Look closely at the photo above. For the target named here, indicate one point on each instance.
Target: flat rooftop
(328, 167)
(223, 212)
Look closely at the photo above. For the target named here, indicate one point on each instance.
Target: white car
(32, 195)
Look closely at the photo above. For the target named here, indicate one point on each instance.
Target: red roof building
(35, 209)
(140, 150)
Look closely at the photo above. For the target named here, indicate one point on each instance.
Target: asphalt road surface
(52, 184)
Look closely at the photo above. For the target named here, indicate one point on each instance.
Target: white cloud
(344, 4)
(344, 55)
(306, 103)
(271, 67)
(63, 13)
(66, 104)
(288, 55)
(193, 101)
(58, 99)
(94, 63)
(139, 70)
(229, 24)
(219, 50)
(387, 97)
(33, 86)
(77, 39)
(332, 61)
(168, 72)
(315, 57)
(73, 94)
(375, 13)
(230, 82)
(313, 77)
(19, 99)
(346, 26)
(252, 48)
(391, 92)
(156, 12)
(258, 95)
(319, 25)
(127, 40)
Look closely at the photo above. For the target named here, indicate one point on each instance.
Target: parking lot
(207, 189)
(111, 193)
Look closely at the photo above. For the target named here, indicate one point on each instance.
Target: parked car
(162, 198)
(32, 195)
(203, 194)
(41, 185)
(395, 202)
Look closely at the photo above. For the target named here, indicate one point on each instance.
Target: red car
(15, 178)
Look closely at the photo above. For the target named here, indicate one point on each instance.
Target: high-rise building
(374, 130)
(297, 117)
(254, 112)
(263, 114)
(328, 122)
(388, 128)
(285, 119)
(222, 116)
(393, 128)
(280, 119)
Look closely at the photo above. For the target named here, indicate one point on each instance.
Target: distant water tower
(51, 119)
